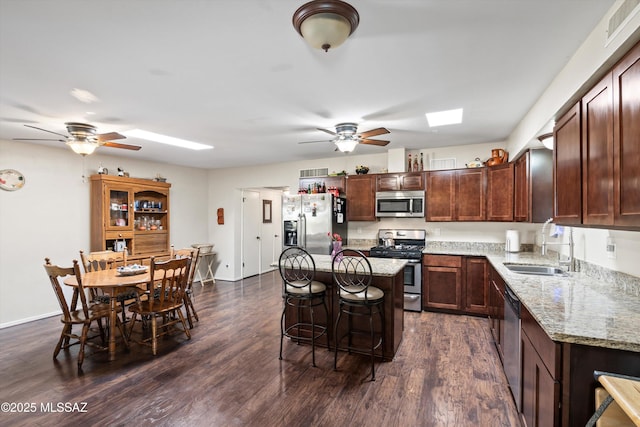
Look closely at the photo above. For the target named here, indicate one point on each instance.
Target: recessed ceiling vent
(310, 173)
(625, 12)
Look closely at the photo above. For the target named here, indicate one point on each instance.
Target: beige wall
(49, 217)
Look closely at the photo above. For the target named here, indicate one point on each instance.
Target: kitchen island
(388, 276)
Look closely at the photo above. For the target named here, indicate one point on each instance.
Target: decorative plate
(11, 180)
(131, 270)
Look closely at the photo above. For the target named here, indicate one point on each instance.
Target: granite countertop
(579, 308)
(379, 266)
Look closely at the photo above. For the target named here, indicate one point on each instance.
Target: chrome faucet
(570, 263)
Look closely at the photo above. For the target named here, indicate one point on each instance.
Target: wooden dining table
(111, 282)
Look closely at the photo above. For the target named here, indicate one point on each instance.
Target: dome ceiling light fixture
(547, 140)
(325, 24)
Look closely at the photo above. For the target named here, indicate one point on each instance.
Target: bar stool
(351, 271)
(300, 291)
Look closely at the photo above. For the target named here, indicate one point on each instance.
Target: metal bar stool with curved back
(357, 299)
(300, 291)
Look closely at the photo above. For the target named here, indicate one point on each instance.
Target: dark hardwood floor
(446, 373)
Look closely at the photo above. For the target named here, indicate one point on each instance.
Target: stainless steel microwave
(400, 204)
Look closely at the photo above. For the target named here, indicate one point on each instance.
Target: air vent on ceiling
(625, 12)
(312, 173)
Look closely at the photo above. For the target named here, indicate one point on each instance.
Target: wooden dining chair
(188, 292)
(71, 315)
(165, 303)
(106, 260)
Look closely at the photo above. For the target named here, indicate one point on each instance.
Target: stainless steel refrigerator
(308, 219)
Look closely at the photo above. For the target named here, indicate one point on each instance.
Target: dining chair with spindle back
(71, 315)
(107, 260)
(165, 303)
(188, 292)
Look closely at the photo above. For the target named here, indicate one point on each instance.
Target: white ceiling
(236, 75)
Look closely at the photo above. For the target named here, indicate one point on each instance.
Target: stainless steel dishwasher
(512, 345)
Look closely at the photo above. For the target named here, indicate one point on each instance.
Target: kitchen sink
(539, 270)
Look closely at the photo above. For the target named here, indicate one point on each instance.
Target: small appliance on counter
(408, 245)
(512, 241)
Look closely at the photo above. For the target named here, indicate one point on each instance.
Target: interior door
(251, 221)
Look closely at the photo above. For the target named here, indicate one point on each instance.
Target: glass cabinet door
(119, 206)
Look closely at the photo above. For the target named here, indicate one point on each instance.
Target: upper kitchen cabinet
(500, 192)
(567, 178)
(132, 210)
(410, 181)
(626, 140)
(533, 192)
(361, 198)
(456, 195)
(597, 154)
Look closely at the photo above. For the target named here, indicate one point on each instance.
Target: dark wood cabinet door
(567, 178)
(540, 392)
(626, 137)
(597, 154)
(476, 286)
(441, 188)
(412, 181)
(500, 182)
(470, 194)
(361, 198)
(387, 182)
(521, 190)
(442, 282)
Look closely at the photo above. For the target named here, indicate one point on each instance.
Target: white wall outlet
(611, 248)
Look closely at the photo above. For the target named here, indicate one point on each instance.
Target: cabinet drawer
(151, 243)
(443, 260)
(118, 235)
(548, 350)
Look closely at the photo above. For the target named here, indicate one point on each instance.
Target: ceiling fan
(83, 138)
(346, 137)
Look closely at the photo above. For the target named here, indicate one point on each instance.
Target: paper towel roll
(512, 241)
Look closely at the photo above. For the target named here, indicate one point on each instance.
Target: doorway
(251, 220)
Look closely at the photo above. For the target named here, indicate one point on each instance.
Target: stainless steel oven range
(407, 245)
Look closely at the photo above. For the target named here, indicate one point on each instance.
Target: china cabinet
(130, 210)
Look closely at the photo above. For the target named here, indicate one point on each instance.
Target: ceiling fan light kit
(325, 24)
(82, 146)
(346, 145)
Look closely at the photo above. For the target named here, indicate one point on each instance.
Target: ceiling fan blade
(118, 145)
(379, 142)
(44, 130)
(39, 139)
(374, 132)
(103, 137)
(312, 142)
(327, 131)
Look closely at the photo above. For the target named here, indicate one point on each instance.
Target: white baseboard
(29, 319)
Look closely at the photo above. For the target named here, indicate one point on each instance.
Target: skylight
(442, 118)
(163, 139)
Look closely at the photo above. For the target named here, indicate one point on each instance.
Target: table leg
(112, 325)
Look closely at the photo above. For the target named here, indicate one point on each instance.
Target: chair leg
(184, 324)
(154, 337)
(83, 340)
(132, 322)
(192, 308)
(121, 327)
(185, 302)
(63, 335)
(336, 339)
(282, 327)
(373, 370)
(313, 335)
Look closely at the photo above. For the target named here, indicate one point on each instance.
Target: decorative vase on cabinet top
(498, 156)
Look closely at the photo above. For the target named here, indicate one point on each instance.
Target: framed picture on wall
(266, 211)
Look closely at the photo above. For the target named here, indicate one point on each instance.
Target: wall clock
(11, 180)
